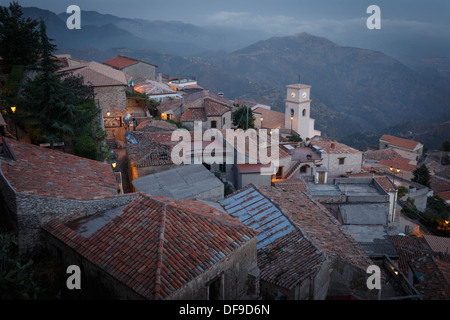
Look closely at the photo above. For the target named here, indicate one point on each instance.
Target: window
(304, 112)
(341, 161)
(292, 112)
(214, 289)
(223, 167)
(223, 123)
(214, 124)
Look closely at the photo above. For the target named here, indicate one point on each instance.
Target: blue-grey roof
(256, 211)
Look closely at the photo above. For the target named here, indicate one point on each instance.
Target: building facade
(298, 111)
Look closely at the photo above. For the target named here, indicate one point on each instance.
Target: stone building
(39, 184)
(158, 248)
(110, 87)
(298, 111)
(212, 109)
(137, 69)
(387, 141)
(338, 158)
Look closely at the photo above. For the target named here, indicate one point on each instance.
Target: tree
(19, 37)
(243, 117)
(422, 175)
(54, 102)
(295, 138)
(17, 280)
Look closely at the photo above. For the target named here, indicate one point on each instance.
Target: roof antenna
(299, 79)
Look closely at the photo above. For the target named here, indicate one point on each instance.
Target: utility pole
(247, 116)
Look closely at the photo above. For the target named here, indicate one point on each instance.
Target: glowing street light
(395, 171)
(13, 109)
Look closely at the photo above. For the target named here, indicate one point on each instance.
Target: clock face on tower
(293, 94)
(304, 95)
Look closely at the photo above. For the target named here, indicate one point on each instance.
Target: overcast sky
(275, 16)
(342, 21)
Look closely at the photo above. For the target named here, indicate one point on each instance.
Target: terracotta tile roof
(194, 114)
(203, 94)
(149, 153)
(332, 147)
(292, 184)
(152, 87)
(439, 184)
(271, 119)
(400, 163)
(289, 260)
(169, 105)
(399, 142)
(444, 195)
(386, 154)
(156, 247)
(433, 277)
(120, 62)
(53, 173)
(214, 108)
(438, 244)
(98, 75)
(408, 247)
(156, 126)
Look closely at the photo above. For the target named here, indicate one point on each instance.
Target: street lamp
(114, 164)
(13, 109)
(395, 171)
(108, 113)
(262, 122)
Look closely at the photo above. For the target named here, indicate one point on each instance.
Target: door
(321, 177)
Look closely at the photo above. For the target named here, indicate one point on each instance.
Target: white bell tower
(297, 112)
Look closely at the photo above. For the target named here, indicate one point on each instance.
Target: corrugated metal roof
(256, 211)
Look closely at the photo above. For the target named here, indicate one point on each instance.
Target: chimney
(332, 146)
(160, 78)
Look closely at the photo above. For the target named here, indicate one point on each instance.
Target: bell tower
(297, 111)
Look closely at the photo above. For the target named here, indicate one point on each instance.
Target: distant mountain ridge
(353, 90)
(105, 31)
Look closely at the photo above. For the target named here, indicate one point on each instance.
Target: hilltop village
(305, 226)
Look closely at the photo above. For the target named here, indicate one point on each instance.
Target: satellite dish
(127, 118)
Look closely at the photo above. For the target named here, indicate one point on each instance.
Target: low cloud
(282, 25)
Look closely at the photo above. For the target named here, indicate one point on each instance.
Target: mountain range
(353, 90)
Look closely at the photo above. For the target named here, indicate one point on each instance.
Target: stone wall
(112, 99)
(352, 163)
(28, 212)
(347, 279)
(234, 270)
(95, 283)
